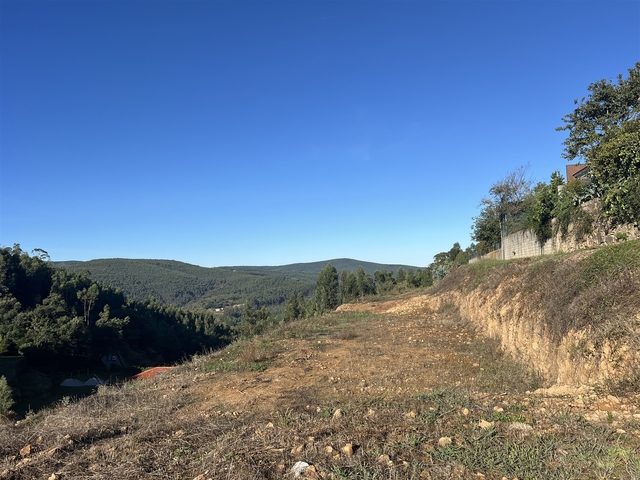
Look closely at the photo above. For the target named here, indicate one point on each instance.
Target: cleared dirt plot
(351, 395)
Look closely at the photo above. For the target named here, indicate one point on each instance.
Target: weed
(622, 236)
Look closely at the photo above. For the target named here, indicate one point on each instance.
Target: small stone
(26, 450)
(348, 449)
(53, 476)
(443, 441)
(384, 459)
(465, 411)
(411, 414)
(298, 469)
(179, 433)
(298, 449)
(621, 431)
(498, 409)
(338, 413)
(328, 449)
(484, 424)
(270, 425)
(371, 412)
(311, 472)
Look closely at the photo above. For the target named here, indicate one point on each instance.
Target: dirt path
(385, 356)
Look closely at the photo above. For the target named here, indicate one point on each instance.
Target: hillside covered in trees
(192, 286)
(47, 310)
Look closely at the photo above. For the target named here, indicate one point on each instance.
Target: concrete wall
(524, 244)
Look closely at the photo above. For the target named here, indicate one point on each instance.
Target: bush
(568, 210)
(6, 397)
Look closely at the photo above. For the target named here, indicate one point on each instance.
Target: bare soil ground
(355, 394)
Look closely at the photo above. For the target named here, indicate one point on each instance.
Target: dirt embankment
(574, 318)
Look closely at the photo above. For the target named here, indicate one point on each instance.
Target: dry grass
(401, 383)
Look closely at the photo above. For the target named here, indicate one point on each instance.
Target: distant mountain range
(192, 286)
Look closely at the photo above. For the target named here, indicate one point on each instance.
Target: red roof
(151, 373)
(573, 171)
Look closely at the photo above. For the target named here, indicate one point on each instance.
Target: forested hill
(187, 285)
(309, 271)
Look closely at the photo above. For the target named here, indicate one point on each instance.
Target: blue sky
(266, 133)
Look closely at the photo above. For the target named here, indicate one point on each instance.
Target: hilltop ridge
(193, 286)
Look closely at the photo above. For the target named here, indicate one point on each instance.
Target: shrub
(6, 398)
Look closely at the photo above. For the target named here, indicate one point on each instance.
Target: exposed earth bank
(575, 318)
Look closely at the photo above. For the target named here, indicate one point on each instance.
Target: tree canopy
(47, 311)
(604, 132)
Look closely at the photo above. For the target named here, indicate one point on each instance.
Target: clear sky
(265, 133)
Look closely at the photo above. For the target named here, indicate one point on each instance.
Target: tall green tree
(604, 132)
(293, 309)
(539, 213)
(327, 289)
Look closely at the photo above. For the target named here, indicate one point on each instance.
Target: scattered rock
(26, 450)
(411, 414)
(270, 425)
(298, 469)
(179, 433)
(465, 411)
(298, 449)
(311, 472)
(338, 414)
(484, 424)
(498, 409)
(328, 449)
(384, 459)
(348, 449)
(443, 441)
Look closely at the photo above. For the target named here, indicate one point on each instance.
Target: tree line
(603, 134)
(47, 311)
(333, 289)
